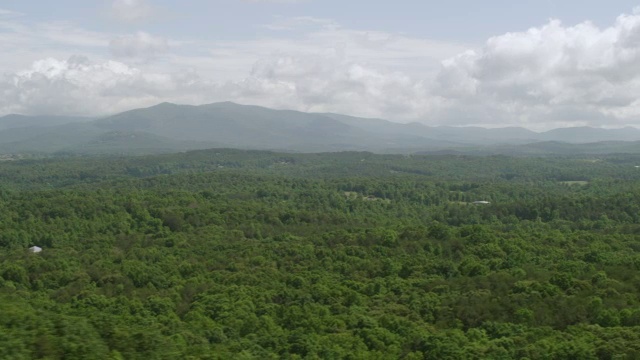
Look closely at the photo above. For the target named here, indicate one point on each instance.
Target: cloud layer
(140, 45)
(78, 86)
(552, 74)
(131, 10)
(548, 76)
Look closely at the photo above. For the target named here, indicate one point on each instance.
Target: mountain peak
(165, 104)
(230, 105)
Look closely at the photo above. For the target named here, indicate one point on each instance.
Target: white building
(35, 249)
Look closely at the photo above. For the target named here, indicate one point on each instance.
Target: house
(481, 202)
(35, 249)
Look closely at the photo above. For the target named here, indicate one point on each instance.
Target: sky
(537, 64)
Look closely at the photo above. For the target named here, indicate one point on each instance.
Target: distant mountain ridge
(168, 127)
(13, 121)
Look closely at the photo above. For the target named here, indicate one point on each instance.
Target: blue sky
(538, 64)
(453, 20)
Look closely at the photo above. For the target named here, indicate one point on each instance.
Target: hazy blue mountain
(47, 139)
(120, 142)
(227, 123)
(588, 134)
(14, 121)
(545, 148)
(256, 127)
(170, 127)
(483, 136)
(453, 135)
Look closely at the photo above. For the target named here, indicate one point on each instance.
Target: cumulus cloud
(548, 76)
(79, 86)
(140, 45)
(328, 83)
(131, 10)
(412, 56)
(324, 68)
(578, 74)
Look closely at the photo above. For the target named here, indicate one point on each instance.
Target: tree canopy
(224, 254)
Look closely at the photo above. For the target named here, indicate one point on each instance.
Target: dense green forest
(229, 254)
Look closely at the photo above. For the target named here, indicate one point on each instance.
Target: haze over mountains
(169, 127)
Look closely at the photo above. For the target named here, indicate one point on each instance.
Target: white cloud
(23, 42)
(328, 83)
(324, 68)
(79, 86)
(131, 10)
(413, 56)
(548, 76)
(551, 74)
(140, 45)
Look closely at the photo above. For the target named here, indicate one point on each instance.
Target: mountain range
(170, 127)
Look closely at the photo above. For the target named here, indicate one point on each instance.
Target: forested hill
(230, 254)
